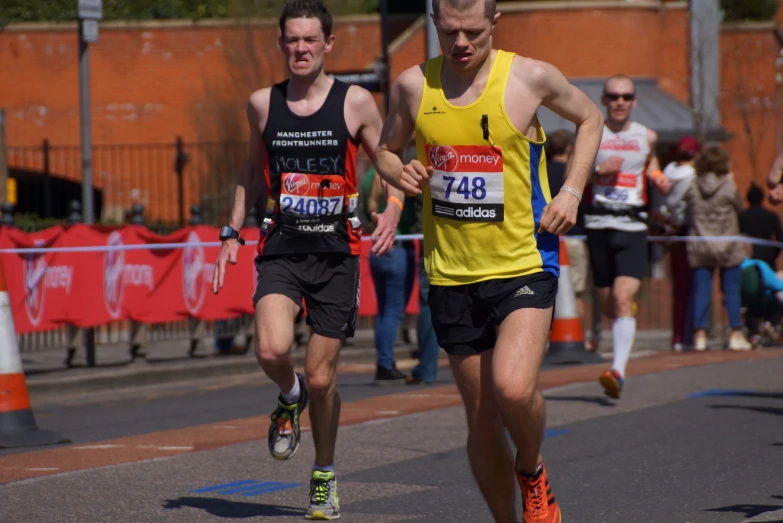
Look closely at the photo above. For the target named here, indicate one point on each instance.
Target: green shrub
(742, 10)
(61, 10)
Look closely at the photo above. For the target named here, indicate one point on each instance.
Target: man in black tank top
(304, 137)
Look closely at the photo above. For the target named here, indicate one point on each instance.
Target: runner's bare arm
(397, 130)
(249, 183)
(251, 176)
(562, 98)
(652, 160)
(774, 181)
(363, 104)
(660, 181)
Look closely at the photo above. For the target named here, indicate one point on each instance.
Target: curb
(143, 373)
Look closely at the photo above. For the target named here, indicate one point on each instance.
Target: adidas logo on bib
(476, 212)
(524, 290)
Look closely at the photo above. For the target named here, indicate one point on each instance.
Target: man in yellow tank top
(490, 232)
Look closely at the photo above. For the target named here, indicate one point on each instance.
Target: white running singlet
(626, 191)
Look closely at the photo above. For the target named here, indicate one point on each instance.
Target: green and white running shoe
(324, 503)
(284, 430)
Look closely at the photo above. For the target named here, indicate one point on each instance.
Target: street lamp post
(90, 11)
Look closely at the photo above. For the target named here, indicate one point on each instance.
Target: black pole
(47, 189)
(385, 52)
(84, 102)
(181, 160)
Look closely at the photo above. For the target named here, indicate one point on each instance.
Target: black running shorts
(466, 317)
(329, 284)
(616, 253)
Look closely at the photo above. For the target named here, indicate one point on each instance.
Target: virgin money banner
(86, 289)
(147, 285)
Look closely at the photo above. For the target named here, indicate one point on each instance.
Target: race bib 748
(467, 184)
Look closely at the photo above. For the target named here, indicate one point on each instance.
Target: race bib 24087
(467, 183)
(311, 194)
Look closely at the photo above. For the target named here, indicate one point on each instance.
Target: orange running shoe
(612, 382)
(538, 502)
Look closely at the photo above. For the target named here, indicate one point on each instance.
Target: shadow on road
(766, 410)
(749, 511)
(597, 400)
(768, 395)
(224, 508)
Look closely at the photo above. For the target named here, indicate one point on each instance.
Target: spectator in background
(427, 369)
(758, 222)
(672, 217)
(559, 146)
(714, 205)
(392, 276)
(761, 291)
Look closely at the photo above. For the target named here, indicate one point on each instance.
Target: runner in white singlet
(616, 220)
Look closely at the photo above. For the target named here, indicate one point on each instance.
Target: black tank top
(310, 175)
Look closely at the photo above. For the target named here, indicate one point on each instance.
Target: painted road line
(548, 433)
(720, 392)
(226, 485)
(247, 488)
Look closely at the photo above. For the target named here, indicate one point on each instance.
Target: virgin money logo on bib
(193, 268)
(114, 275)
(296, 184)
(34, 266)
(443, 158)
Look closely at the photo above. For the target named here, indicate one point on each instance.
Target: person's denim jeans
(427, 369)
(392, 275)
(702, 295)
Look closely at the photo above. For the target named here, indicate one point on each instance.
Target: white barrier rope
(402, 237)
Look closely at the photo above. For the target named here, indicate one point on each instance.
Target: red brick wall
(674, 68)
(149, 84)
(152, 82)
(747, 100)
(586, 42)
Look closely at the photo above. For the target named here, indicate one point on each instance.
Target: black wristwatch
(226, 233)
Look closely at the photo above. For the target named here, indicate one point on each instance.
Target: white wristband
(572, 191)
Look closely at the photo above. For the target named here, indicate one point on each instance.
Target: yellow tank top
(484, 203)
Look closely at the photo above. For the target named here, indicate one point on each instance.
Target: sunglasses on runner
(628, 97)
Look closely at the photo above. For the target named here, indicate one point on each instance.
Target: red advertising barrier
(86, 289)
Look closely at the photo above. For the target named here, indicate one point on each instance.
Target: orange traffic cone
(567, 338)
(17, 422)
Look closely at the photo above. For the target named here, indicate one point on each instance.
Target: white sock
(292, 396)
(623, 334)
(329, 468)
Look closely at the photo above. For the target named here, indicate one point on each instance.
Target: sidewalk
(167, 362)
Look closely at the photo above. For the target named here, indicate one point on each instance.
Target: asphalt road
(695, 444)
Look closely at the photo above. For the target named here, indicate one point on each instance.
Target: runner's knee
(623, 303)
(511, 391)
(320, 382)
(270, 351)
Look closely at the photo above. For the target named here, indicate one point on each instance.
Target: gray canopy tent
(659, 111)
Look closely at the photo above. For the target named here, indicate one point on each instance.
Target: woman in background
(393, 276)
(714, 205)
